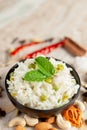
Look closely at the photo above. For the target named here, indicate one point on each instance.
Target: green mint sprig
(45, 70)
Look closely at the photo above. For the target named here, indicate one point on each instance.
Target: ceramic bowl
(36, 112)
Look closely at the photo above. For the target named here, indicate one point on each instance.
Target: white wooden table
(41, 19)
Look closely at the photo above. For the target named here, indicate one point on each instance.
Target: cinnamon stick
(74, 48)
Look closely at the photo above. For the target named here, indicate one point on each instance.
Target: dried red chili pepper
(45, 50)
(18, 49)
(22, 47)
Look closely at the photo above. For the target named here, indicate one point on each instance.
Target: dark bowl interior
(41, 113)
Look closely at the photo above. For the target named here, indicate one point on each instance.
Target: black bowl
(42, 113)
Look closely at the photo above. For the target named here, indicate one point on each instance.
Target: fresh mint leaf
(34, 75)
(45, 70)
(45, 66)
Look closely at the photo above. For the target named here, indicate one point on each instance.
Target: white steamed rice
(29, 93)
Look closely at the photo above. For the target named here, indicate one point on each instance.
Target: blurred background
(41, 19)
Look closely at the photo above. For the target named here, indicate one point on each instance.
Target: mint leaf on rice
(34, 75)
(45, 66)
(45, 70)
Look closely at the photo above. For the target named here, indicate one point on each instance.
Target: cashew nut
(31, 121)
(80, 105)
(17, 121)
(62, 123)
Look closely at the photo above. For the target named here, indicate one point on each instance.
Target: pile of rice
(29, 93)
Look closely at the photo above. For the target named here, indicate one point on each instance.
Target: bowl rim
(71, 100)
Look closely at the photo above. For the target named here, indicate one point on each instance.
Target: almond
(19, 127)
(51, 119)
(43, 126)
(53, 128)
